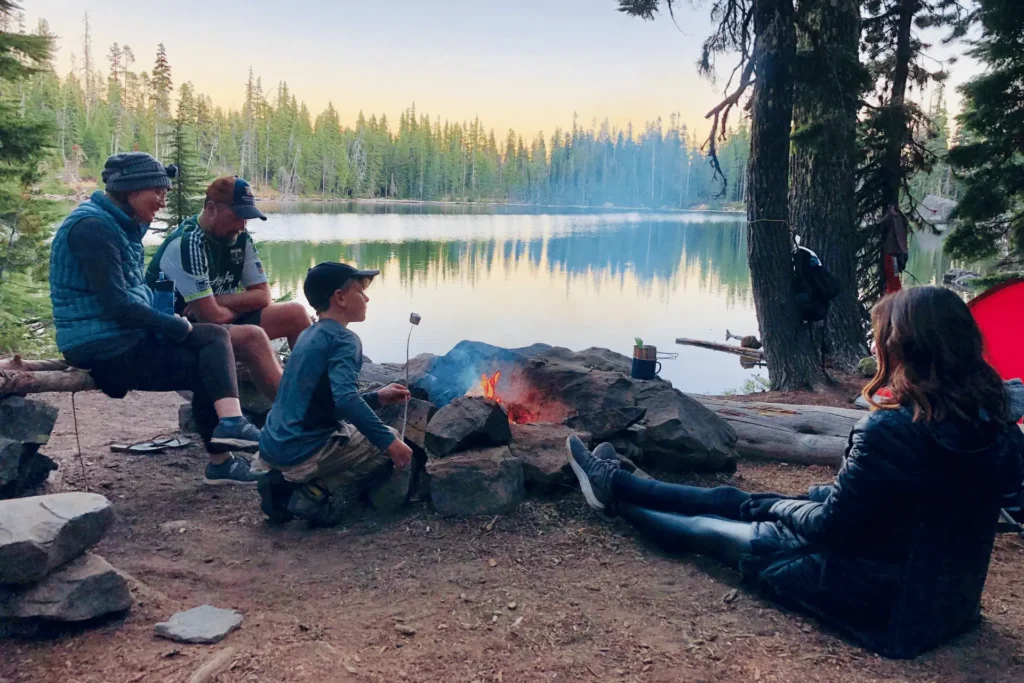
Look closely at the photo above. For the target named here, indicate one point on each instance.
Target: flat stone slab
(41, 533)
(86, 588)
(204, 624)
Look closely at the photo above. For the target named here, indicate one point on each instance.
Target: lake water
(513, 276)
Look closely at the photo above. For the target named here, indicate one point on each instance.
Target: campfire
(519, 402)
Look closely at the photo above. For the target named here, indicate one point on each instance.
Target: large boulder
(482, 482)
(465, 423)
(604, 424)
(25, 425)
(86, 588)
(682, 435)
(541, 448)
(41, 533)
(575, 387)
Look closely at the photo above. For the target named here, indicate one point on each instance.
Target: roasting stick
(414, 319)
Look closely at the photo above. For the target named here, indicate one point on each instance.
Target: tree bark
(793, 364)
(822, 193)
(806, 435)
(897, 135)
(17, 382)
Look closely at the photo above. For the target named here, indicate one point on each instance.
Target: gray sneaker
(234, 433)
(594, 474)
(235, 471)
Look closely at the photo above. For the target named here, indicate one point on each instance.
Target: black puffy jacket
(911, 497)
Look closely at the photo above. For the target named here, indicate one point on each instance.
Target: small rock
(512, 606)
(867, 367)
(467, 422)
(405, 630)
(41, 533)
(86, 588)
(484, 482)
(178, 526)
(203, 624)
(492, 562)
(731, 596)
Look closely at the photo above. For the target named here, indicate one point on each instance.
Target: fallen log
(754, 354)
(19, 382)
(19, 363)
(801, 434)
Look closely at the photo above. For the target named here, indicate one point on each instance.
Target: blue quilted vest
(77, 313)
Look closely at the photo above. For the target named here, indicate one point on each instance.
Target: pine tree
(26, 140)
(161, 96)
(990, 215)
(185, 197)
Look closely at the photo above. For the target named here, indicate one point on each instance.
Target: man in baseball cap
(219, 278)
(322, 440)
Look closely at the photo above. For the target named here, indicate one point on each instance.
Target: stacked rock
(25, 425)
(45, 572)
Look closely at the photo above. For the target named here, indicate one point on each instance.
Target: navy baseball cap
(324, 279)
(237, 194)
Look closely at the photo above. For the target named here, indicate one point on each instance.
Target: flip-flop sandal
(144, 448)
(170, 442)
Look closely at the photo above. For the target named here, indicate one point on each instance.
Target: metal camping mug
(645, 364)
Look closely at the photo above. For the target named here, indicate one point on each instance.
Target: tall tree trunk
(792, 360)
(898, 131)
(822, 192)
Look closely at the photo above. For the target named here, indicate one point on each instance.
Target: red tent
(999, 313)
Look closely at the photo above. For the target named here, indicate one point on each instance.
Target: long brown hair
(931, 356)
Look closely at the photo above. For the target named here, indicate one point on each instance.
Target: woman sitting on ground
(106, 322)
(896, 550)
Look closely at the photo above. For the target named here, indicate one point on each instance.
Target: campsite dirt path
(550, 593)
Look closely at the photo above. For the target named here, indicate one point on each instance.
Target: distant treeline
(276, 142)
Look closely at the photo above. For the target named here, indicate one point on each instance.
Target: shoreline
(489, 203)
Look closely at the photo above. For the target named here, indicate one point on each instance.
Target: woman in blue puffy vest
(896, 550)
(106, 322)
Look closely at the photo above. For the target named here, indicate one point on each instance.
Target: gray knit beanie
(131, 171)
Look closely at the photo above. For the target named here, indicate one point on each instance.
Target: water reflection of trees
(664, 253)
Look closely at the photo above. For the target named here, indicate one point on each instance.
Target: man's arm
(254, 298)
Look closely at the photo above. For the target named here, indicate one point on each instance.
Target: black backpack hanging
(813, 286)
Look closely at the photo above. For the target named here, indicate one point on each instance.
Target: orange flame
(488, 385)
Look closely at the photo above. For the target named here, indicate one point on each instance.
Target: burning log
(727, 348)
(801, 434)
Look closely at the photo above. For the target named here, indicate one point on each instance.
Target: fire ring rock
(482, 482)
(85, 588)
(465, 423)
(41, 533)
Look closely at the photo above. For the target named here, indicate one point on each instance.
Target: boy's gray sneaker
(235, 471)
(235, 433)
(316, 506)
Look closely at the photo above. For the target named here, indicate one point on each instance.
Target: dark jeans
(686, 518)
(203, 363)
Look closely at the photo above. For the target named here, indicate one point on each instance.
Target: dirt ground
(550, 593)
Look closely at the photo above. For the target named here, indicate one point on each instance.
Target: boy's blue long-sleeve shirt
(319, 391)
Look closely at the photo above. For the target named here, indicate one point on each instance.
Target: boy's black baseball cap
(324, 279)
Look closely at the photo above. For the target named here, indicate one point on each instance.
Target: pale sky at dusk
(524, 64)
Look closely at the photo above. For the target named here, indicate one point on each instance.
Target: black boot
(275, 491)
